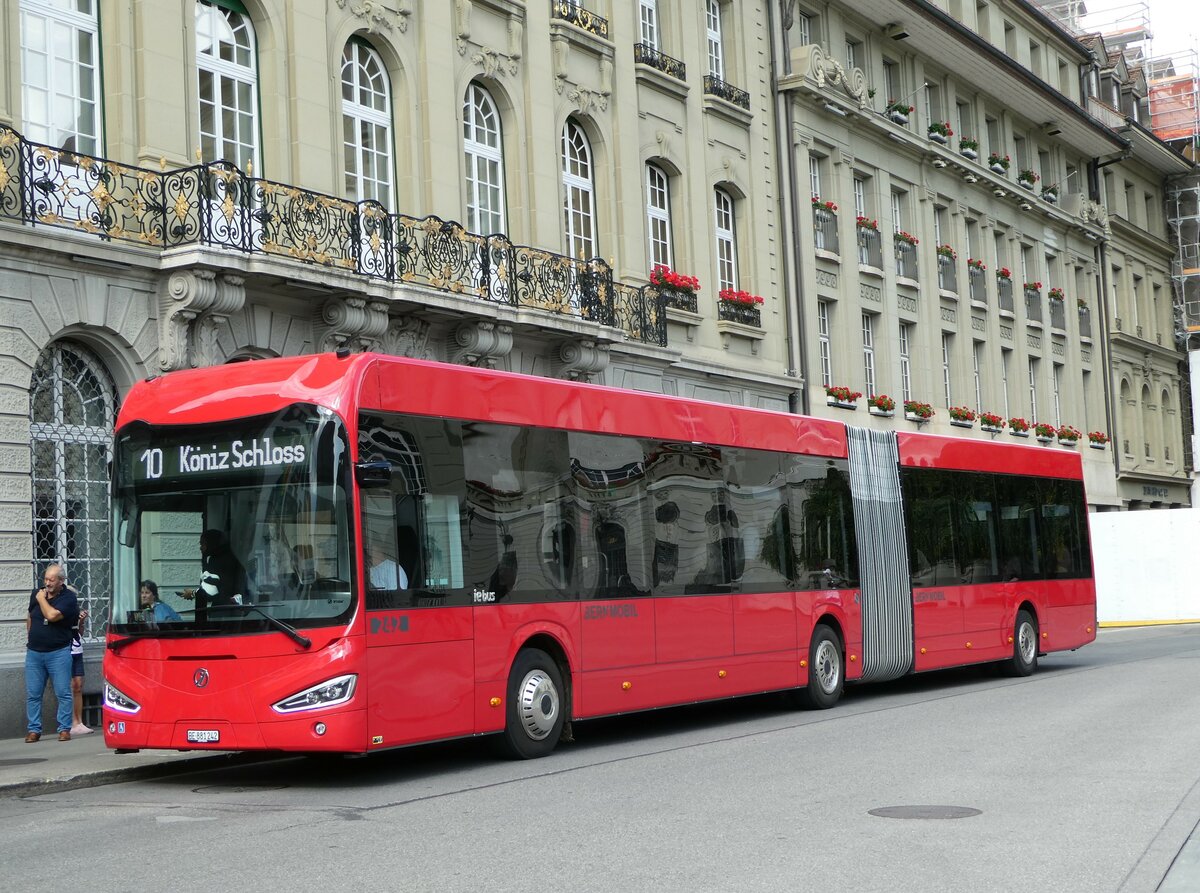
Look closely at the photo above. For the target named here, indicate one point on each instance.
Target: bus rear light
(338, 690)
(117, 700)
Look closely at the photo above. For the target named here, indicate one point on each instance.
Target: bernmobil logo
(384, 625)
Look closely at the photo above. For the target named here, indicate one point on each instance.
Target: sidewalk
(52, 765)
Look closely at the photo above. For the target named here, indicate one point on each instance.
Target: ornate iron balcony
(743, 313)
(675, 298)
(216, 204)
(714, 86)
(579, 17)
(648, 55)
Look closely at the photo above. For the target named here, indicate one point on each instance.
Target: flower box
(882, 413)
(1098, 446)
(915, 411)
(939, 138)
(841, 397)
(1042, 438)
(962, 423)
(841, 404)
(998, 168)
(990, 429)
(1025, 184)
(898, 117)
(1019, 433)
(881, 405)
(1069, 441)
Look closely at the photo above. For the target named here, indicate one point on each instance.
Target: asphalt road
(1080, 778)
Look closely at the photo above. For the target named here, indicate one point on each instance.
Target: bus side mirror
(373, 474)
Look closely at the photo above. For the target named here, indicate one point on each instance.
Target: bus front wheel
(535, 712)
(826, 675)
(1025, 646)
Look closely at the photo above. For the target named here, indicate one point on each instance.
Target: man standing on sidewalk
(53, 614)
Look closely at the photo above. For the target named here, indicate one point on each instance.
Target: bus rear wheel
(826, 674)
(1025, 646)
(535, 712)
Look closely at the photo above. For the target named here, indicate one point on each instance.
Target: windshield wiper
(289, 631)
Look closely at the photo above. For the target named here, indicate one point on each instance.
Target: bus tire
(536, 708)
(826, 671)
(1025, 646)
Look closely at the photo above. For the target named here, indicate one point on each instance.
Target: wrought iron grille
(679, 300)
(1004, 294)
(825, 230)
(947, 274)
(1033, 305)
(714, 86)
(743, 313)
(906, 259)
(1058, 315)
(72, 412)
(217, 204)
(647, 55)
(1085, 323)
(870, 248)
(978, 281)
(580, 17)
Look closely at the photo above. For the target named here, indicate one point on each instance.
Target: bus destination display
(186, 460)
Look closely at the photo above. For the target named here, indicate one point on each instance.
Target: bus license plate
(203, 736)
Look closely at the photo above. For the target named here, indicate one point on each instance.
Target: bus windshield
(227, 528)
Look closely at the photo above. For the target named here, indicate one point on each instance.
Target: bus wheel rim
(538, 704)
(828, 666)
(1027, 641)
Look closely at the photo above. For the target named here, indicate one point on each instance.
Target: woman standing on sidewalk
(53, 615)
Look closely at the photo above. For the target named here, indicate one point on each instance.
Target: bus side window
(380, 572)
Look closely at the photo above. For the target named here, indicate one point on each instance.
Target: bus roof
(962, 454)
(397, 384)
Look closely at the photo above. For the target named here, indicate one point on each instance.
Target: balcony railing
(825, 230)
(1085, 324)
(906, 260)
(743, 313)
(655, 58)
(977, 280)
(1033, 305)
(675, 298)
(1004, 295)
(714, 86)
(947, 274)
(870, 248)
(579, 17)
(217, 205)
(1058, 315)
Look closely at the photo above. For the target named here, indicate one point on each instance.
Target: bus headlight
(115, 699)
(324, 694)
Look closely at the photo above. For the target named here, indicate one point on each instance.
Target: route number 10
(153, 460)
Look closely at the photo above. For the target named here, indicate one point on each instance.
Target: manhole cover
(28, 762)
(925, 812)
(237, 788)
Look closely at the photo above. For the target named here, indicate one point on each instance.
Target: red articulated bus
(351, 553)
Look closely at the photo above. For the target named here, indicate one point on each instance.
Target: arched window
(366, 124)
(1128, 431)
(658, 216)
(60, 68)
(227, 74)
(484, 150)
(72, 411)
(578, 193)
(648, 22)
(726, 241)
(1147, 451)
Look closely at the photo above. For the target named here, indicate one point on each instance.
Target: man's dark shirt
(46, 636)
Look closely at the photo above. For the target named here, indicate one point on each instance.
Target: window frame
(361, 115)
(659, 232)
(241, 75)
(53, 17)
(476, 152)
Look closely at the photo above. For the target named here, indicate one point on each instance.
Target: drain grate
(925, 812)
(4, 764)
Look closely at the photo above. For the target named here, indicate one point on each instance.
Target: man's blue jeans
(55, 666)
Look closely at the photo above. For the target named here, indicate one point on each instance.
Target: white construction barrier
(1145, 565)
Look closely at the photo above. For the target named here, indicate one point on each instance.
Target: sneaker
(81, 729)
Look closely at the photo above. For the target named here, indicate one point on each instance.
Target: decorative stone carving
(812, 62)
(193, 313)
(482, 343)
(408, 336)
(560, 51)
(381, 15)
(462, 24)
(581, 359)
(351, 322)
